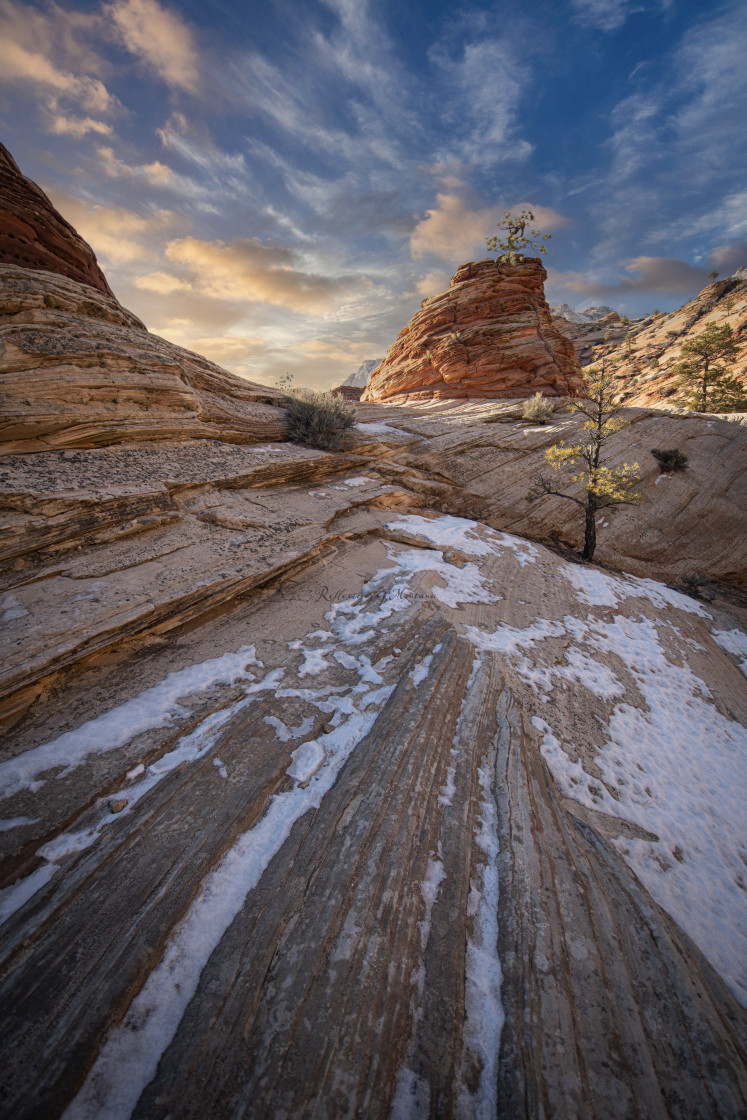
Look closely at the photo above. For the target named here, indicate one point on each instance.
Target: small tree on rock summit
(516, 239)
(603, 487)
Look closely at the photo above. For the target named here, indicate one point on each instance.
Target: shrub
(669, 459)
(538, 409)
(318, 419)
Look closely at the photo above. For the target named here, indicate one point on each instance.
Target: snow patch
(129, 1058)
(734, 642)
(155, 707)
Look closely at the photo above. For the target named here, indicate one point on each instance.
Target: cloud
(19, 64)
(162, 282)
(247, 269)
(665, 275)
(726, 259)
(161, 39)
(433, 283)
(603, 15)
(118, 236)
(452, 230)
(456, 232)
(49, 51)
(62, 125)
(479, 93)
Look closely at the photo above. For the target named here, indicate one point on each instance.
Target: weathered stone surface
(34, 235)
(352, 873)
(78, 370)
(489, 335)
(479, 459)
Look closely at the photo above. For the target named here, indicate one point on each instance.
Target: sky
(278, 185)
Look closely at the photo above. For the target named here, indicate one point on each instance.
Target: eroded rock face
(81, 371)
(489, 335)
(415, 824)
(643, 353)
(33, 234)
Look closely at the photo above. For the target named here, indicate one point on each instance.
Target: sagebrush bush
(538, 409)
(669, 459)
(318, 419)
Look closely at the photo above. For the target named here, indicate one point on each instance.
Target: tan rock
(645, 368)
(80, 371)
(469, 869)
(484, 458)
(489, 335)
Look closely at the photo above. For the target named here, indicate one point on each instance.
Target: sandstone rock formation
(480, 459)
(645, 368)
(80, 371)
(489, 335)
(413, 824)
(34, 235)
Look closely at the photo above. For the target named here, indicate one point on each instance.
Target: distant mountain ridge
(590, 315)
(359, 379)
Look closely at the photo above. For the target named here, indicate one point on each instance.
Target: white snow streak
(130, 1055)
(156, 707)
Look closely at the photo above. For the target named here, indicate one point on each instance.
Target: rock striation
(78, 370)
(33, 234)
(489, 335)
(644, 352)
(399, 817)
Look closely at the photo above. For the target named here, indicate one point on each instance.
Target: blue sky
(279, 184)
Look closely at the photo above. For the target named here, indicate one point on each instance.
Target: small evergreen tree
(516, 239)
(712, 389)
(604, 487)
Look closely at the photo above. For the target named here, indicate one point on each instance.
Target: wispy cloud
(248, 269)
(480, 89)
(647, 275)
(49, 52)
(609, 15)
(161, 39)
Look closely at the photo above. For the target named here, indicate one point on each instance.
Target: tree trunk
(590, 532)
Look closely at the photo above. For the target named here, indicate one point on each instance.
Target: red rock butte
(489, 335)
(34, 235)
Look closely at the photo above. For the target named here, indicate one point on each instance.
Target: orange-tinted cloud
(248, 269)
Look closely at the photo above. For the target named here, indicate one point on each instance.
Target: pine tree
(516, 239)
(712, 389)
(603, 487)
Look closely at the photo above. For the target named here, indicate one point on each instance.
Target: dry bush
(318, 419)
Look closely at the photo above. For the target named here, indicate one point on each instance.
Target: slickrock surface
(78, 370)
(410, 834)
(489, 335)
(33, 234)
(479, 459)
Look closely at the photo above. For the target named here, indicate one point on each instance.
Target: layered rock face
(644, 365)
(411, 821)
(78, 370)
(490, 335)
(33, 234)
(480, 459)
